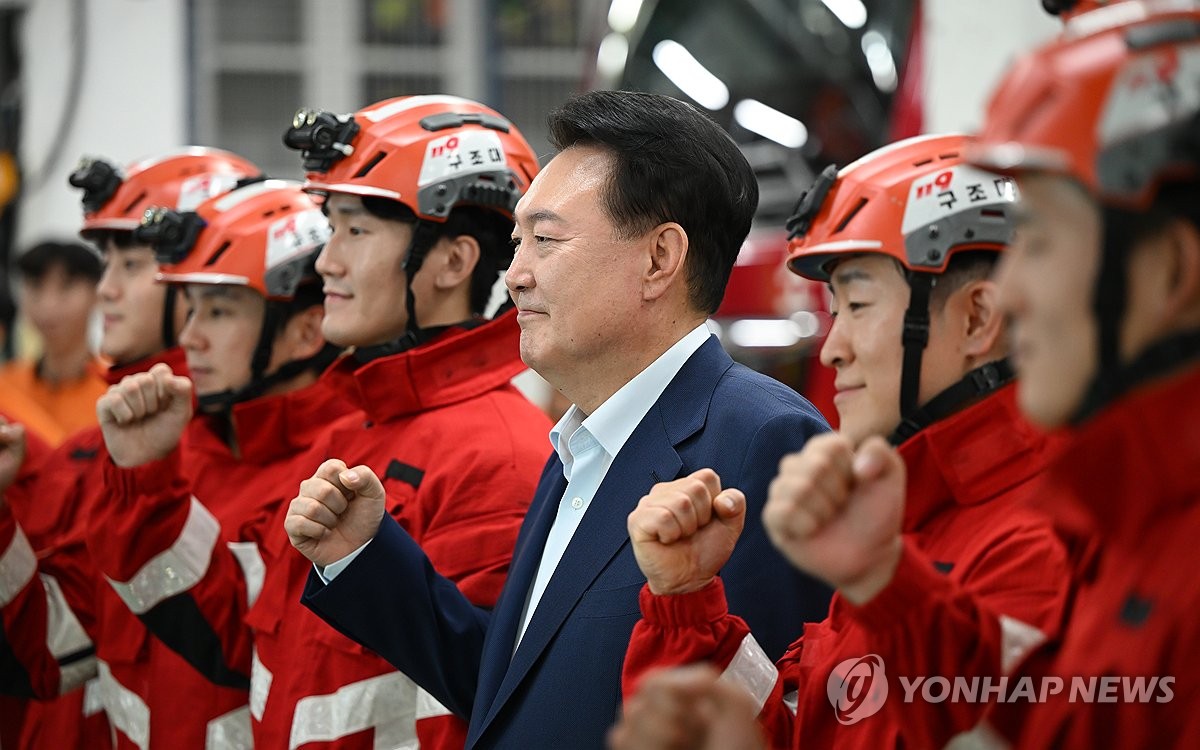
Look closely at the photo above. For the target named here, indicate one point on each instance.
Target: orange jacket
(71, 406)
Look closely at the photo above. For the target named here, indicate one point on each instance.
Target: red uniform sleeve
(924, 623)
(44, 606)
(168, 559)
(689, 628)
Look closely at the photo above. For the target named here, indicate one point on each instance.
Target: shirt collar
(615, 420)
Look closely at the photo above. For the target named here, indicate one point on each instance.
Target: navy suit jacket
(562, 687)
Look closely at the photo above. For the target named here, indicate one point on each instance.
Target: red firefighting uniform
(52, 518)
(150, 554)
(459, 451)
(1130, 479)
(151, 695)
(13, 708)
(970, 478)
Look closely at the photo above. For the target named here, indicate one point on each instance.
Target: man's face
(131, 303)
(575, 283)
(1046, 282)
(865, 346)
(59, 307)
(221, 335)
(360, 265)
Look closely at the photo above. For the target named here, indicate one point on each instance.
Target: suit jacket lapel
(527, 554)
(648, 457)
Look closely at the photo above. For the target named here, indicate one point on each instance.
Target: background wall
(970, 44)
(131, 96)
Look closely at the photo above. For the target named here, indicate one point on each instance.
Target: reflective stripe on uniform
(17, 566)
(428, 707)
(254, 570)
(127, 712)
(982, 737)
(1017, 640)
(66, 639)
(93, 700)
(230, 732)
(387, 702)
(260, 686)
(753, 671)
(177, 568)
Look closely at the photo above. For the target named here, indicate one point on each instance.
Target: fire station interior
(801, 84)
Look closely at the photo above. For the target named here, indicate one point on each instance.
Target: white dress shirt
(587, 444)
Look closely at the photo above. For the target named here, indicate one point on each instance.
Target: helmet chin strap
(976, 384)
(1109, 304)
(424, 237)
(170, 301)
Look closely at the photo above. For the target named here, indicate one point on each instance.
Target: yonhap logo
(857, 688)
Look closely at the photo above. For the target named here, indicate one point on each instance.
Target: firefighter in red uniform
(419, 194)
(1103, 287)
(87, 622)
(906, 237)
(255, 351)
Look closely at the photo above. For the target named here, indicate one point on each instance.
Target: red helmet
(430, 153)
(1114, 103)
(181, 180)
(264, 236)
(1071, 8)
(917, 201)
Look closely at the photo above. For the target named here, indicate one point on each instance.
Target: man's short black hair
(491, 229)
(76, 260)
(670, 163)
(964, 267)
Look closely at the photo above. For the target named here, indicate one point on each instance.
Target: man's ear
(666, 248)
(301, 336)
(456, 258)
(1180, 291)
(983, 321)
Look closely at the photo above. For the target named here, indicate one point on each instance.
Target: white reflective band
(387, 110)
(176, 569)
(982, 737)
(238, 197)
(128, 713)
(93, 700)
(1017, 640)
(387, 702)
(753, 671)
(253, 567)
(428, 707)
(792, 701)
(65, 636)
(230, 732)
(17, 566)
(260, 686)
(216, 279)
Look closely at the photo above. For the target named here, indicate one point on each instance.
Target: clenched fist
(688, 708)
(685, 530)
(12, 454)
(337, 511)
(836, 513)
(144, 416)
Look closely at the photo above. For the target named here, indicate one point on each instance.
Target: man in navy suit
(625, 242)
